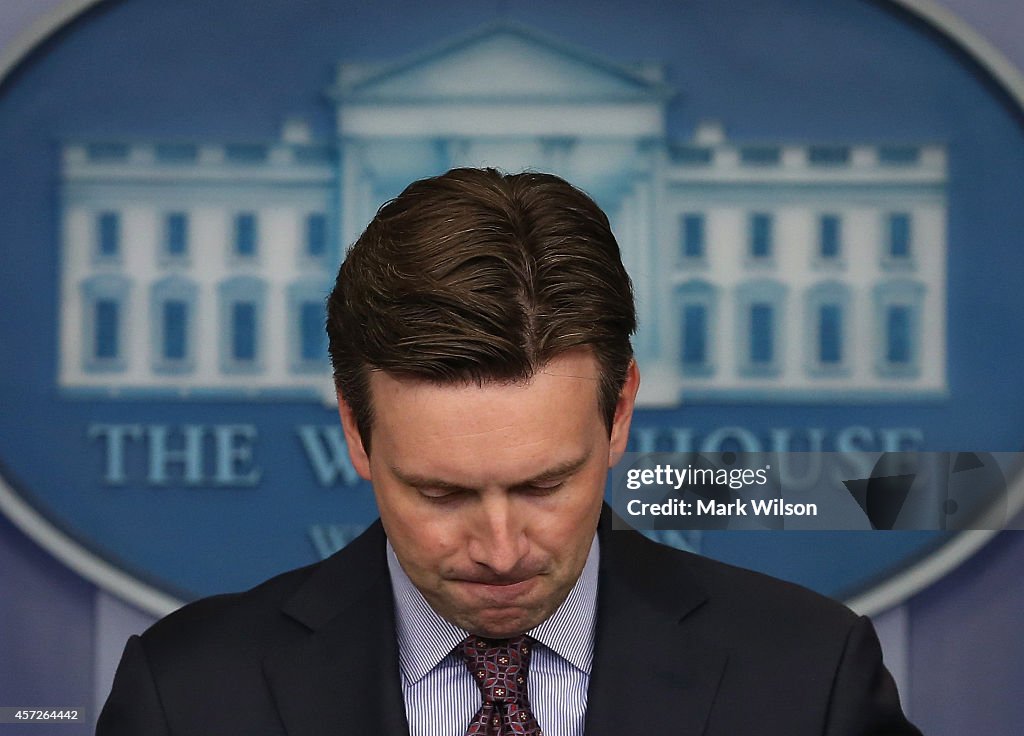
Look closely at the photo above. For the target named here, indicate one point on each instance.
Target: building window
(243, 332)
(695, 335)
(830, 334)
(898, 329)
(177, 153)
(108, 328)
(897, 335)
(828, 155)
(245, 153)
(242, 306)
(828, 304)
(696, 302)
(899, 237)
(692, 236)
(108, 235)
(691, 155)
(176, 235)
(173, 305)
(102, 152)
(311, 328)
(760, 155)
(316, 235)
(105, 312)
(308, 348)
(760, 236)
(760, 311)
(246, 235)
(899, 155)
(762, 333)
(829, 237)
(175, 328)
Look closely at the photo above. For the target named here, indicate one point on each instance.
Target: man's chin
(501, 626)
(498, 611)
(500, 622)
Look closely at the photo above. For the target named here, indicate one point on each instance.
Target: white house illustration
(763, 270)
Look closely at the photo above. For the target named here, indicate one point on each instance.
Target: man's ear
(356, 451)
(623, 414)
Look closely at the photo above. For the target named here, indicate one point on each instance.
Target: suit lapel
(343, 678)
(652, 673)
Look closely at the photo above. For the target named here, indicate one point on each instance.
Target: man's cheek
(438, 540)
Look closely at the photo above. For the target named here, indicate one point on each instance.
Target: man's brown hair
(479, 276)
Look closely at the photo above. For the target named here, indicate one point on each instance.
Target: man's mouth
(500, 589)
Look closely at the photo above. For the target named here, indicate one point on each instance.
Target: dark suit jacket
(685, 645)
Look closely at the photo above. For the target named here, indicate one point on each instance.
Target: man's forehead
(412, 415)
(556, 468)
(503, 434)
(578, 363)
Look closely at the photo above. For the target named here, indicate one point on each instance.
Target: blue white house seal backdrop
(818, 203)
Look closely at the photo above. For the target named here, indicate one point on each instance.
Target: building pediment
(500, 63)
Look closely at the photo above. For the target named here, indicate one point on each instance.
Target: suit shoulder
(745, 596)
(228, 621)
(244, 627)
(763, 592)
(768, 624)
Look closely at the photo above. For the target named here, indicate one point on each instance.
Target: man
(479, 331)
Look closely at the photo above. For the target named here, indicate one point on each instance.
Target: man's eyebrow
(558, 471)
(553, 473)
(424, 481)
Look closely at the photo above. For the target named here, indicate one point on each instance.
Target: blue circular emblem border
(896, 587)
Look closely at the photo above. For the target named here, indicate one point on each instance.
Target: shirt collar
(425, 638)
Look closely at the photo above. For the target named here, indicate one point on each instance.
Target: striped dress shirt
(440, 694)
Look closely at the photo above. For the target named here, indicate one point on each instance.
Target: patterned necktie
(499, 667)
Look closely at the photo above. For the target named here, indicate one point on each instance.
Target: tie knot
(499, 667)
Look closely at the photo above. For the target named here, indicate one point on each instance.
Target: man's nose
(498, 538)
